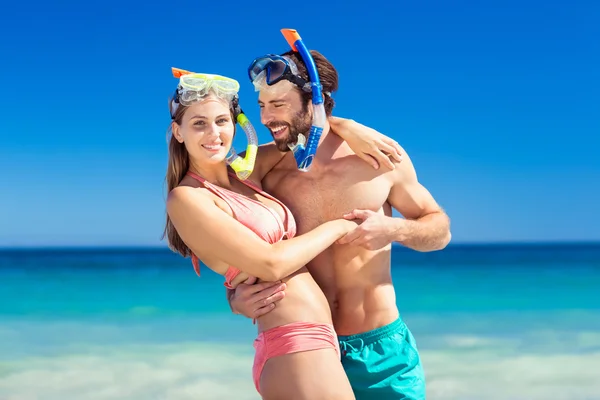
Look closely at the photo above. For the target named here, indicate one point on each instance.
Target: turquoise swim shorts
(384, 363)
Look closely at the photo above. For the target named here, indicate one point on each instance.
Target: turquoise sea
(491, 322)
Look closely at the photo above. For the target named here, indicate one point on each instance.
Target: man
(379, 353)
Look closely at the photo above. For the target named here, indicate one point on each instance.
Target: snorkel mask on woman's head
(194, 87)
(272, 69)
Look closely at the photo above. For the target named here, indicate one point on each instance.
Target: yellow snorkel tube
(243, 167)
(194, 87)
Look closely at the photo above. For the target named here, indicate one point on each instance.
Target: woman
(225, 222)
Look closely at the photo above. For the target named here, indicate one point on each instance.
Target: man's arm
(425, 226)
(230, 293)
(252, 299)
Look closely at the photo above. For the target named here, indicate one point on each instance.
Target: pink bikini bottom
(291, 338)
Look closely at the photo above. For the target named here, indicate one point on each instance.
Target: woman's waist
(303, 301)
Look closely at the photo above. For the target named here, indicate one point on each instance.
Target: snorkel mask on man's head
(195, 87)
(271, 69)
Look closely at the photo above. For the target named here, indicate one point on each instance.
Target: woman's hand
(368, 144)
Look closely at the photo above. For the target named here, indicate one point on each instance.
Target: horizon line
(165, 247)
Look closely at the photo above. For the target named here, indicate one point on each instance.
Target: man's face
(283, 113)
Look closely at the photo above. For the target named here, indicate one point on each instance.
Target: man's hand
(253, 300)
(374, 232)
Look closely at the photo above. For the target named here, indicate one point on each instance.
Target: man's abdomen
(358, 285)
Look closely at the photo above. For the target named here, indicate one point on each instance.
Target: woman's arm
(216, 238)
(368, 144)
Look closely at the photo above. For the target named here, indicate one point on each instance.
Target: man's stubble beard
(301, 124)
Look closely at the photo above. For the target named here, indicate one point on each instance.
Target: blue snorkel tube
(304, 152)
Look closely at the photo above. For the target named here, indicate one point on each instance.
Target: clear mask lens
(195, 87)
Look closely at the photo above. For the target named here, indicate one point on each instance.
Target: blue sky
(497, 104)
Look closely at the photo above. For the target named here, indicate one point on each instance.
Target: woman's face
(206, 130)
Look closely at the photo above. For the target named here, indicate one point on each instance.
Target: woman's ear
(176, 132)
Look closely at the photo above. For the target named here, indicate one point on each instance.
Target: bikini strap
(197, 177)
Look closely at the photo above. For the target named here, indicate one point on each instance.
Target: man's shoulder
(267, 159)
(265, 148)
(268, 153)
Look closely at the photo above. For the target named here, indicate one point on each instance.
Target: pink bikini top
(262, 220)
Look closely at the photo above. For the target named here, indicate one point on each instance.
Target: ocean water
(491, 322)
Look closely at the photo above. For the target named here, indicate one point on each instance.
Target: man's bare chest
(315, 198)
